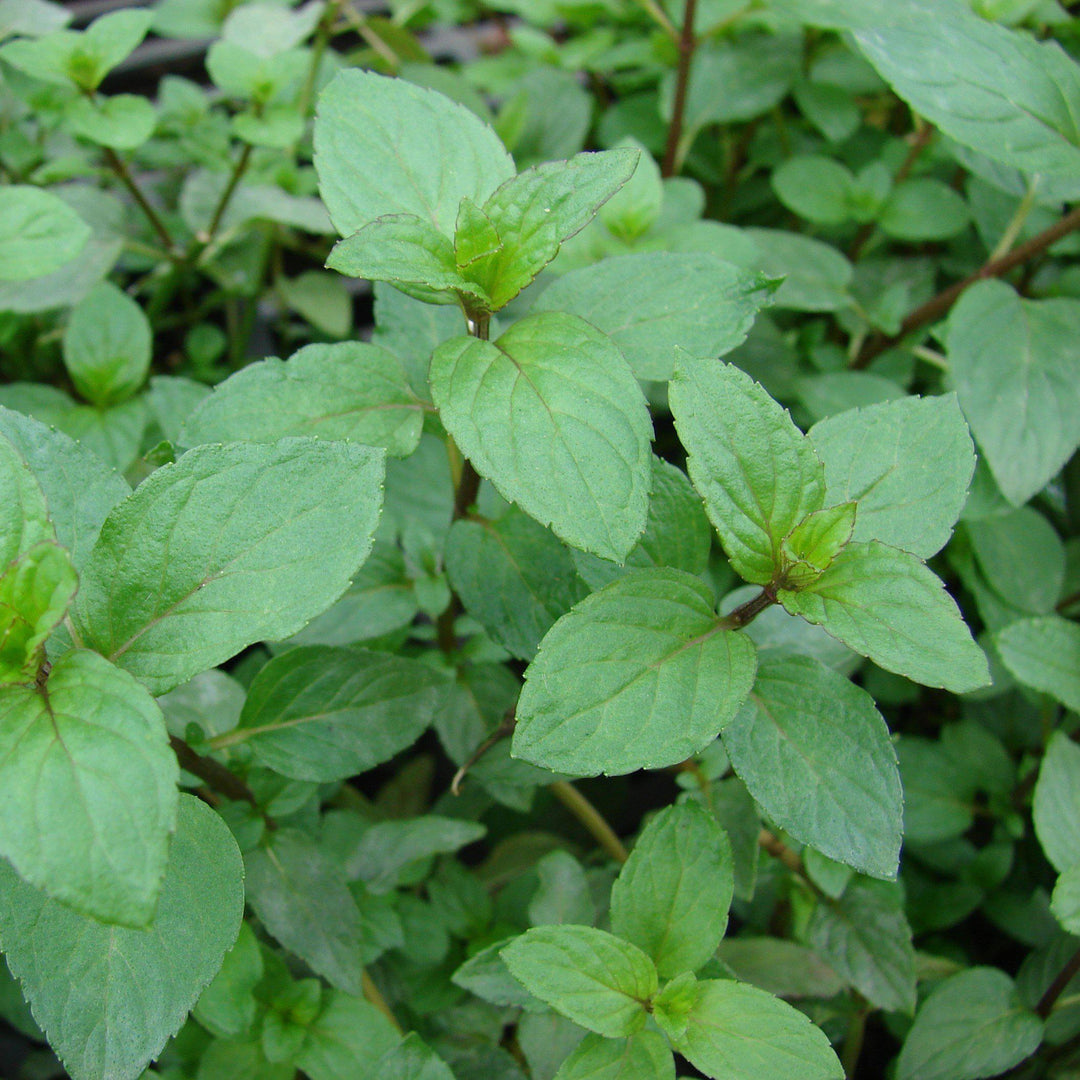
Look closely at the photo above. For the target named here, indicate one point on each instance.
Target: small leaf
(1044, 653)
(107, 346)
(35, 591)
(865, 938)
(551, 414)
(39, 233)
(300, 895)
(89, 788)
(638, 675)
(475, 236)
(738, 1032)
(1056, 809)
(650, 302)
(536, 211)
(107, 997)
(1065, 901)
(756, 471)
(232, 544)
(813, 544)
(410, 253)
(817, 757)
(885, 604)
(1018, 381)
(672, 896)
(907, 463)
(587, 975)
(322, 714)
(347, 1031)
(411, 1059)
(644, 1056)
(386, 146)
(351, 391)
(972, 1025)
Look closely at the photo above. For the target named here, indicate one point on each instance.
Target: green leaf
(107, 345)
(587, 975)
(563, 893)
(351, 391)
(817, 757)
(486, 975)
(650, 302)
(756, 471)
(535, 211)
(671, 898)
(635, 207)
(638, 675)
(79, 487)
(514, 576)
(31, 18)
(1056, 809)
(347, 1031)
(738, 1032)
(410, 253)
(972, 1025)
(35, 591)
(475, 235)
(1021, 557)
(923, 209)
(677, 532)
(232, 544)
(784, 968)
(1018, 382)
(24, 517)
(89, 788)
(885, 604)
(810, 548)
(39, 233)
(322, 299)
(1002, 93)
(816, 188)
(107, 997)
(865, 938)
(412, 1059)
(120, 121)
(300, 895)
(907, 463)
(385, 146)
(1044, 653)
(816, 275)
(1065, 901)
(227, 1007)
(323, 714)
(552, 415)
(644, 1056)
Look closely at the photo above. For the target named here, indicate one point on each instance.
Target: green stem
(123, 174)
(853, 1041)
(375, 996)
(322, 39)
(226, 196)
(1016, 223)
(212, 773)
(591, 818)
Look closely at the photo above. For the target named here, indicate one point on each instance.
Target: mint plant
(648, 651)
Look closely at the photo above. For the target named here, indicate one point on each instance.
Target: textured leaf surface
(351, 391)
(589, 976)
(648, 303)
(1044, 653)
(972, 1025)
(865, 938)
(756, 471)
(552, 415)
(39, 233)
(386, 146)
(885, 604)
(672, 896)
(638, 675)
(1056, 810)
(325, 714)
(644, 1056)
(87, 788)
(514, 576)
(232, 544)
(742, 1033)
(107, 997)
(35, 591)
(908, 463)
(817, 757)
(1017, 374)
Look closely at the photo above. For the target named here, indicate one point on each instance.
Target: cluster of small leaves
(715, 436)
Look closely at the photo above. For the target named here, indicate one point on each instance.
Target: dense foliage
(541, 683)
